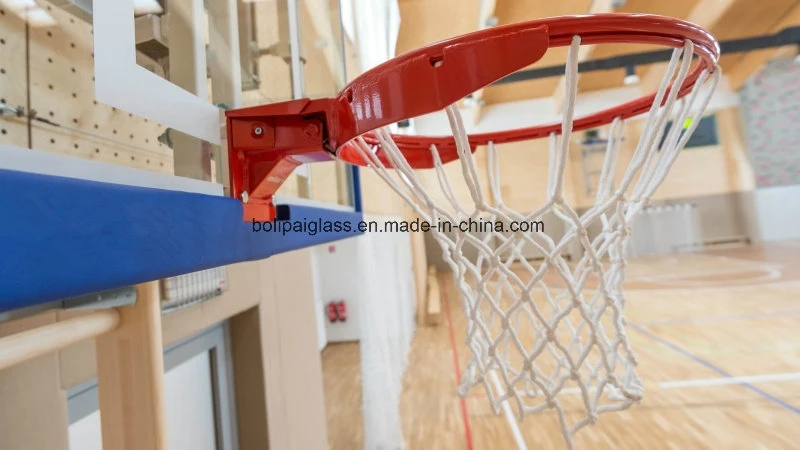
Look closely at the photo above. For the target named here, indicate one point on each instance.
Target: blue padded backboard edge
(63, 237)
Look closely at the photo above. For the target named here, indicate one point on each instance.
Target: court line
(462, 400)
(711, 382)
(712, 319)
(765, 275)
(712, 367)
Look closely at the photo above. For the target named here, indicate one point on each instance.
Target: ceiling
(427, 21)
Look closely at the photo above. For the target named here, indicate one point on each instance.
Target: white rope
(531, 342)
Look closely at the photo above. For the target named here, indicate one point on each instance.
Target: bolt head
(245, 196)
(312, 130)
(258, 131)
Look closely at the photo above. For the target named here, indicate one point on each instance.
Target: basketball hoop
(542, 342)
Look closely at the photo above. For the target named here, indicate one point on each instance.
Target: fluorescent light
(29, 11)
(38, 17)
(630, 76)
(18, 5)
(631, 80)
(471, 102)
(147, 7)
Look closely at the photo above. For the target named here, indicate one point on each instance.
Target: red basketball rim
(433, 77)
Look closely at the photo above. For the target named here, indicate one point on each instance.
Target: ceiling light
(29, 11)
(470, 101)
(630, 76)
(38, 17)
(147, 7)
(18, 5)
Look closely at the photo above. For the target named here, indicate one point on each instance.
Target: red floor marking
(464, 414)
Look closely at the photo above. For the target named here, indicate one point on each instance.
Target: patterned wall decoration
(770, 105)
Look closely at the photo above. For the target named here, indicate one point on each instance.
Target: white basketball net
(562, 347)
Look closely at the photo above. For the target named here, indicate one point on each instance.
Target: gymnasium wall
(771, 112)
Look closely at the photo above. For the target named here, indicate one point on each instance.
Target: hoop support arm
(266, 143)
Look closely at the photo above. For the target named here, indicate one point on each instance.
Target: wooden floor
(712, 315)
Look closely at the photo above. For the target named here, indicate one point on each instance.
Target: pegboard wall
(47, 75)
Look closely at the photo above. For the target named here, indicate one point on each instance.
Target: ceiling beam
(754, 61)
(705, 14)
(584, 52)
(788, 36)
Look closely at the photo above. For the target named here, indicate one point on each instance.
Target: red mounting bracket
(266, 143)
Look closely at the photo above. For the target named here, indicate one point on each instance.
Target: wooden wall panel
(248, 372)
(292, 365)
(13, 131)
(68, 119)
(62, 92)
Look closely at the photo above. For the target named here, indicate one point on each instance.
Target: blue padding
(63, 237)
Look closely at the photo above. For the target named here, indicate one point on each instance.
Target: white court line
(711, 382)
(729, 318)
(512, 422)
(724, 381)
(695, 279)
